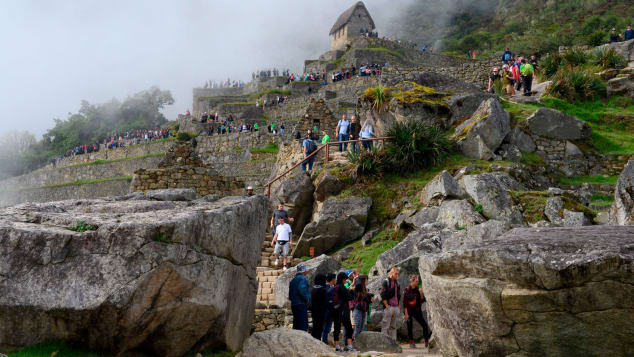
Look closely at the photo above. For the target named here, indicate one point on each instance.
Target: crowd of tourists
(341, 300)
(224, 84)
(267, 73)
(273, 102)
(627, 35)
(516, 73)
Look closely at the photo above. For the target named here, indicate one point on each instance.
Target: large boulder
(424, 216)
(340, 220)
(458, 214)
(486, 231)
(440, 187)
(322, 264)
(621, 86)
(622, 211)
(297, 195)
(484, 132)
(492, 192)
(283, 342)
(377, 342)
(327, 185)
(521, 140)
(162, 277)
(463, 106)
(553, 124)
(535, 292)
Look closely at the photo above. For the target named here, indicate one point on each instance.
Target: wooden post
(268, 191)
(327, 153)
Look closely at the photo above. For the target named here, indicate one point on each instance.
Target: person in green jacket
(326, 138)
(527, 71)
(256, 126)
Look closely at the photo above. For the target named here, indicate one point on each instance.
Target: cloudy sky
(56, 53)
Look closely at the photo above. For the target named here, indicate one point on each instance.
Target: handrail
(324, 146)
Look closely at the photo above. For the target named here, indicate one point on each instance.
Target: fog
(56, 53)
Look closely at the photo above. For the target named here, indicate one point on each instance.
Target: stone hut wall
(203, 180)
(318, 114)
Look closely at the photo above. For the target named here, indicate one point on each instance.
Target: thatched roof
(346, 15)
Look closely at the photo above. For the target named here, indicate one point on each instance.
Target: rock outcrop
(553, 124)
(484, 132)
(340, 220)
(375, 341)
(296, 193)
(492, 192)
(162, 277)
(440, 187)
(283, 342)
(535, 292)
(458, 214)
(322, 264)
(622, 211)
(486, 231)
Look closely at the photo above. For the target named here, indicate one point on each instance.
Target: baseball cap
(250, 188)
(348, 272)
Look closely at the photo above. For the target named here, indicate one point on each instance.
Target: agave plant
(379, 97)
(608, 58)
(415, 145)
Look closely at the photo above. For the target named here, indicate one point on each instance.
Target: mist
(56, 54)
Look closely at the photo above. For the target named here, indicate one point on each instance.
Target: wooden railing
(314, 154)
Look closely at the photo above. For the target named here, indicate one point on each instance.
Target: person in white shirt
(282, 241)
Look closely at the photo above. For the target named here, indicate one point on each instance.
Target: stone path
(267, 273)
(420, 351)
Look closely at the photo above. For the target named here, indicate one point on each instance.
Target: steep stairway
(267, 273)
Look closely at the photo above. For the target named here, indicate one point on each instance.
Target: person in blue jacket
(299, 295)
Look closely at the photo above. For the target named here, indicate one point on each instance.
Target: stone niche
(183, 168)
(318, 114)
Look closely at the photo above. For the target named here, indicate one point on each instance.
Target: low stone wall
(269, 319)
(83, 191)
(203, 180)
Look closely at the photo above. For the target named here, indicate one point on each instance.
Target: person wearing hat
(492, 78)
(507, 80)
(299, 295)
(250, 191)
(614, 37)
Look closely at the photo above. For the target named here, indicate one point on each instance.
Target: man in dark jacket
(319, 305)
(355, 129)
(299, 296)
(390, 298)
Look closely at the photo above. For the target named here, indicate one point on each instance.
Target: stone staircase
(267, 273)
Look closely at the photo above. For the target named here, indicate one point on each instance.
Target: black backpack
(311, 147)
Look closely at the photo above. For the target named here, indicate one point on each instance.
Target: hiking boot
(351, 349)
(277, 262)
(338, 349)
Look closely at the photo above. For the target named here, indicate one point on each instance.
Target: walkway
(267, 273)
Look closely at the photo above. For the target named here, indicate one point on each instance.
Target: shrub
(184, 136)
(575, 57)
(379, 97)
(368, 162)
(596, 38)
(550, 65)
(608, 58)
(82, 226)
(573, 84)
(415, 146)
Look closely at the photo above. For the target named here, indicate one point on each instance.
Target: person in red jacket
(413, 299)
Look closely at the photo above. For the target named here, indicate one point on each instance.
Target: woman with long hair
(341, 313)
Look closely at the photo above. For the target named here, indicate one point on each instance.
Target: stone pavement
(419, 351)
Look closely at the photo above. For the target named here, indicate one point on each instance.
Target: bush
(184, 136)
(575, 57)
(574, 84)
(550, 65)
(368, 162)
(416, 146)
(597, 38)
(379, 97)
(608, 58)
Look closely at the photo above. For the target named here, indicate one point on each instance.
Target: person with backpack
(309, 146)
(362, 300)
(331, 280)
(507, 55)
(343, 130)
(527, 74)
(355, 130)
(319, 306)
(390, 297)
(341, 313)
(413, 299)
(300, 298)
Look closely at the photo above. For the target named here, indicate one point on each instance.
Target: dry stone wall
(67, 192)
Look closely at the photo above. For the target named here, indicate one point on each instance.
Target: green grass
(383, 49)
(534, 202)
(363, 258)
(270, 149)
(82, 226)
(70, 350)
(531, 159)
(257, 95)
(597, 180)
(602, 200)
(519, 111)
(102, 162)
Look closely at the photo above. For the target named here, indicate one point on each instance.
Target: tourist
(507, 55)
(355, 129)
(492, 78)
(309, 146)
(250, 191)
(342, 130)
(527, 75)
(533, 62)
(280, 212)
(325, 139)
(614, 37)
(341, 313)
(390, 297)
(331, 279)
(517, 74)
(299, 296)
(367, 132)
(413, 299)
(629, 33)
(319, 306)
(507, 80)
(282, 241)
(360, 306)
